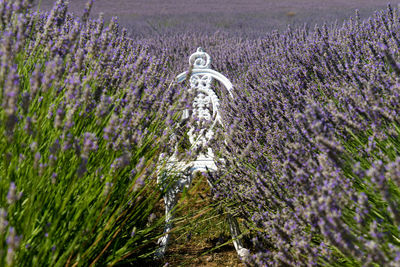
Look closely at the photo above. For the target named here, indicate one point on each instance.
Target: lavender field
(250, 18)
(309, 159)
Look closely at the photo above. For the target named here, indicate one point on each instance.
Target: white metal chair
(205, 110)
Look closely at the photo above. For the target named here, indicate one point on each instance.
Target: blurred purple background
(235, 16)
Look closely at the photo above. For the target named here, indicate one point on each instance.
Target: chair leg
(235, 233)
(237, 242)
(170, 201)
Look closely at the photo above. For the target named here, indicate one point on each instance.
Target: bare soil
(203, 243)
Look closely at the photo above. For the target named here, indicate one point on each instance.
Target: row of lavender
(83, 118)
(313, 144)
(312, 147)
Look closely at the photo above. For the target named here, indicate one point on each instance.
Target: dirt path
(191, 254)
(207, 231)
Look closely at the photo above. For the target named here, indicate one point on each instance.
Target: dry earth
(208, 233)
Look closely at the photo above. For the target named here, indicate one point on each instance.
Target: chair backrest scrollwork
(204, 107)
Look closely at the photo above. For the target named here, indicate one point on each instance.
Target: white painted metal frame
(201, 77)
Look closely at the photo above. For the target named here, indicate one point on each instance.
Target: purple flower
(12, 195)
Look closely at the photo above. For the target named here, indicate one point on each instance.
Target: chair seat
(202, 163)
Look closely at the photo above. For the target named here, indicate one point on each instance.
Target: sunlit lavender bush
(83, 118)
(313, 145)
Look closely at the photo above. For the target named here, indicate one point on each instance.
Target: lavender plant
(313, 145)
(85, 112)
